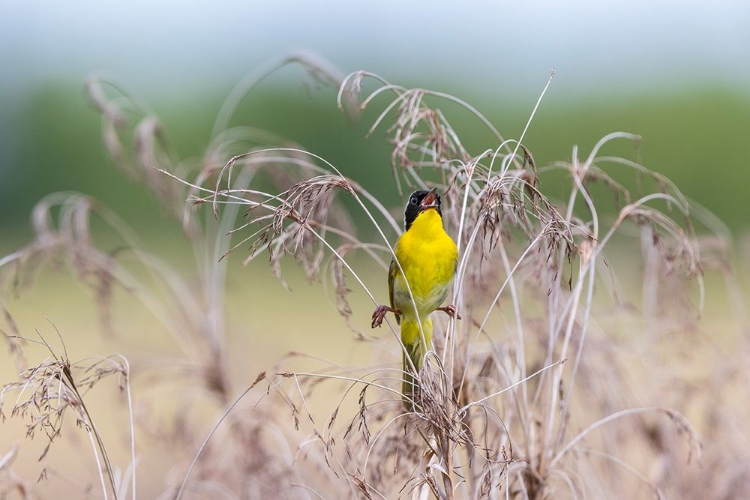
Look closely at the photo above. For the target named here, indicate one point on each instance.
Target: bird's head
(419, 202)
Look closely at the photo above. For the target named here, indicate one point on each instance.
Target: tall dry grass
(559, 381)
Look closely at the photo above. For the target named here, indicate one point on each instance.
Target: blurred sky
(170, 51)
(490, 45)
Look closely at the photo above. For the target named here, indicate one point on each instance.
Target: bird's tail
(416, 343)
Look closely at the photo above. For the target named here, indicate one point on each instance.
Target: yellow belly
(428, 257)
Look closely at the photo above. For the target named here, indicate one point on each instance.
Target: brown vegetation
(559, 382)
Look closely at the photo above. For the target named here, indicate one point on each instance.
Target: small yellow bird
(428, 258)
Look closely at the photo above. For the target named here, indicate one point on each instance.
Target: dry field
(600, 354)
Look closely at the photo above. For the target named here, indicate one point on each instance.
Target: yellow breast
(428, 257)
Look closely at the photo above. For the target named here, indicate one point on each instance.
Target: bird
(426, 258)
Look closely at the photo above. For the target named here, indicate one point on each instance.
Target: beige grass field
(600, 354)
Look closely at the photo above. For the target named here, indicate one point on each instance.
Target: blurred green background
(677, 74)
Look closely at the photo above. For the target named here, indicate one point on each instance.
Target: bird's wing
(392, 270)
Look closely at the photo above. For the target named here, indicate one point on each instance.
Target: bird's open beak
(430, 200)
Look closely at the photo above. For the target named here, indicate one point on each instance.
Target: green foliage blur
(695, 137)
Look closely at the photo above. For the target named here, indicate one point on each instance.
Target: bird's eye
(413, 200)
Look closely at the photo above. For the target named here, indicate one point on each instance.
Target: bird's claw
(379, 315)
(450, 310)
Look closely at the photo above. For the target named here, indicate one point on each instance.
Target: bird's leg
(450, 310)
(379, 314)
